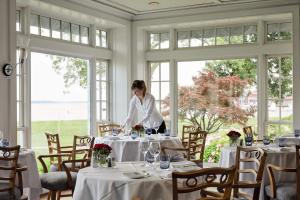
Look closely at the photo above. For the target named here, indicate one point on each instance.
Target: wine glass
(144, 147)
(154, 149)
(156, 125)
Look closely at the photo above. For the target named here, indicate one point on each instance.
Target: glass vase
(99, 160)
(233, 142)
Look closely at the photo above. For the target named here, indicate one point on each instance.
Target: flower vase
(100, 160)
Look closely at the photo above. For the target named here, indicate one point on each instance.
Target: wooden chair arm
(41, 157)
(68, 171)
(270, 169)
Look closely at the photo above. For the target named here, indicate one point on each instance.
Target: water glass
(5, 142)
(154, 149)
(266, 140)
(133, 135)
(297, 132)
(248, 140)
(149, 131)
(167, 132)
(144, 147)
(114, 132)
(281, 142)
(164, 162)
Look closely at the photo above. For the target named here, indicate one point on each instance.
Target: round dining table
(281, 156)
(124, 148)
(127, 181)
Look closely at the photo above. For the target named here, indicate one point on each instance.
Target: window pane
(45, 26)
(164, 40)
(84, 33)
(155, 90)
(18, 23)
(196, 39)
(164, 74)
(287, 67)
(103, 39)
(34, 24)
(272, 32)
(103, 90)
(55, 26)
(66, 30)
(236, 35)
(154, 40)
(98, 38)
(222, 36)
(98, 108)
(154, 67)
(250, 34)
(75, 32)
(209, 37)
(279, 129)
(285, 31)
(165, 90)
(103, 111)
(98, 97)
(183, 39)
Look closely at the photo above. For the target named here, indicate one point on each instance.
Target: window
(34, 24)
(45, 26)
(101, 38)
(280, 94)
(160, 84)
(20, 96)
(159, 40)
(102, 100)
(214, 36)
(18, 21)
(58, 29)
(279, 31)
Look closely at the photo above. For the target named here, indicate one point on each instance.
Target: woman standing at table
(144, 103)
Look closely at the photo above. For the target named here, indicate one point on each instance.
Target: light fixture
(153, 3)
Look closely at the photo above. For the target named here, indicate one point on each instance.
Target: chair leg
(59, 194)
(53, 195)
(49, 195)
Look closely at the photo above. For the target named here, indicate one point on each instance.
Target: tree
(212, 101)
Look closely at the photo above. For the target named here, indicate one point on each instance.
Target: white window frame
(149, 40)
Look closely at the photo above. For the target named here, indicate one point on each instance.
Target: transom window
(230, 35)
(102, 89)
(279, 31)
(159, 40)
(101, 38)
(18, 21)
(280, 94)
(58, 29)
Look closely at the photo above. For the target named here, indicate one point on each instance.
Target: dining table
(125, 148)
(130, 180)
(281, 156)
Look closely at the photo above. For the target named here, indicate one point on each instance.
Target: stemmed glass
(144, 147)
(154, 149)
(156, 125)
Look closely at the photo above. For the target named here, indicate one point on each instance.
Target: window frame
(266, 41)
(149, 40)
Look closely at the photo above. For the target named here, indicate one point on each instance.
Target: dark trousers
(161, 129)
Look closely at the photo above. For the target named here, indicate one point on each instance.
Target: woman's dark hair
(139, 84)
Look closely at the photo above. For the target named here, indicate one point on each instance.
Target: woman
(145, 103)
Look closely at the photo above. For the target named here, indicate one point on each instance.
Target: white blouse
(146, 107)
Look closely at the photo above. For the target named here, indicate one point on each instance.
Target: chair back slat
(200, 180)
(186, 129)
(53, 146)
(9, 160)
(196, 145)
(247, 156)
(106, 128)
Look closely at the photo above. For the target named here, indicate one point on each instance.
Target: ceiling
(151, 6)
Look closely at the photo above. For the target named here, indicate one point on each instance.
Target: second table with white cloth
(284, 157)
(124, 148)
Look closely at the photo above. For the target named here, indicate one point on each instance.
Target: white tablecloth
(288, 140)
(284, 157)
(126, 149)
(112, 184)
(30, 177)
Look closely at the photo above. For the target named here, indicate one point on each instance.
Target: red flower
(233, 134)
(102, 148)
(138, 127)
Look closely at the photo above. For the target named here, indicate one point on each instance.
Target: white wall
(8, 122)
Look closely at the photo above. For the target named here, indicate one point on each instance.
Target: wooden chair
(284, 190)
(195, 147)
(106, 128)
(203, 179)
(9, 167)
(186, 129)
(249, 156)
(55, 181)
(55, 147)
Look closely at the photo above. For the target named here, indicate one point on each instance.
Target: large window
(279, 31)
(280, 95)
(230, 35)
(58, 29)
(160, 85)
(102, 91)
(159, 40)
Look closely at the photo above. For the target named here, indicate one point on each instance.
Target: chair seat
(284, 191)
(57, 180)
(6, 195)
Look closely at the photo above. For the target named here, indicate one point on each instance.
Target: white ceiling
(143, 6)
